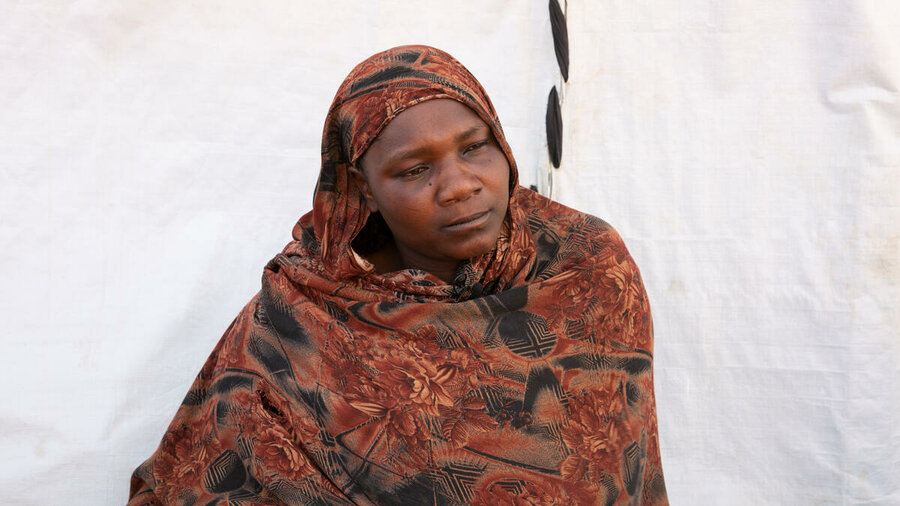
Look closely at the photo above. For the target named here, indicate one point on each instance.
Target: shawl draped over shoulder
(527, 380)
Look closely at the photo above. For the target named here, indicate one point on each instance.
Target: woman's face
(441, 182)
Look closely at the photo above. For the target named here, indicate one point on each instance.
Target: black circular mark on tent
(560, 38)
(554, 128)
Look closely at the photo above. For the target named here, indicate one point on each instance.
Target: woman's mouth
(468, 222)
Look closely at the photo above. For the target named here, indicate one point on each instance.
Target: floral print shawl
(528, 380)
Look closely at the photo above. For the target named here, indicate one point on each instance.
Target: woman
(435, 334)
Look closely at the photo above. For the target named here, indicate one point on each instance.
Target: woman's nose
(457, 182)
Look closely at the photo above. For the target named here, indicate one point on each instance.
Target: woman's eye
(475, 146)
(415, 171)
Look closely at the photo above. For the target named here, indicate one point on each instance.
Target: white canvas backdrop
(749, 154)
(154, 155)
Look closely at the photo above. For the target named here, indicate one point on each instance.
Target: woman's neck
(389, 258)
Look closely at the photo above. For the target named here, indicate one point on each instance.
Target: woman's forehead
(436, 120)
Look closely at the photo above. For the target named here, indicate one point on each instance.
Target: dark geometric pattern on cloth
(631, 467)
(526, 334)
(526, 381)
(458, 479)
(225, 474)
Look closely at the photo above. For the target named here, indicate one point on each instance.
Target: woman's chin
(476, 249)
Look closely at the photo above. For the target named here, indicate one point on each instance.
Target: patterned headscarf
(528, 380)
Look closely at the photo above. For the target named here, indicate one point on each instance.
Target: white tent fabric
(155, 154)
(749, 154)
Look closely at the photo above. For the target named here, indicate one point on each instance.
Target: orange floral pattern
(526, 381)
(597, 433)
(533, 491)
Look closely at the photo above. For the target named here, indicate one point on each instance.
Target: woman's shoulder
(560, 227)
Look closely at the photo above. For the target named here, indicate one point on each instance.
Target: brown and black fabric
(528, 380)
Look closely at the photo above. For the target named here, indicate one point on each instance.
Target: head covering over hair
(529, 378)
(372, 95)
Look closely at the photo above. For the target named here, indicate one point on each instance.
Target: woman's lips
(468, 222)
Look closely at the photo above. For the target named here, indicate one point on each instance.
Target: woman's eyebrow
(469, 131)
(405, 155)
(419, 151)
